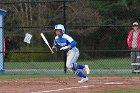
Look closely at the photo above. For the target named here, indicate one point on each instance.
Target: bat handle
(51, 49)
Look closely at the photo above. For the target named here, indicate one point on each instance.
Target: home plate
(113, 83)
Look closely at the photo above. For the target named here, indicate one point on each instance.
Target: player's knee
(69, 66)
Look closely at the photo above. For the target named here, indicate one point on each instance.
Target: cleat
(87, 69)
(83, 80)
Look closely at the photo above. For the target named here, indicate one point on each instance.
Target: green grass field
(114, 63)
(121, 91)
(18, 76)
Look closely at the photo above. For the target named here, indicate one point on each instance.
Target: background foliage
(94, 24)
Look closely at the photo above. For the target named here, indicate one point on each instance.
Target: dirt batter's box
(2, 13)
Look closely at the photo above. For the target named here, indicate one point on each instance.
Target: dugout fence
(100, 34)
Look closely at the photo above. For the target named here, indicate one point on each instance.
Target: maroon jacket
(130, 37)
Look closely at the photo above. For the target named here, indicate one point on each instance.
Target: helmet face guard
(60, 27)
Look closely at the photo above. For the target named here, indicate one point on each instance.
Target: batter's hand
(54, 48)
(64, 48)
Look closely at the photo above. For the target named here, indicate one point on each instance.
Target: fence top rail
(72, 26)
(106, 51)
(100, 26)
(60, 51)
(47, 1)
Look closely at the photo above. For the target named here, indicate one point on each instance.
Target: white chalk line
(56, 90)
(113, 83)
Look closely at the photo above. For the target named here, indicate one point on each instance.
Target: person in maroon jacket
(133, 41)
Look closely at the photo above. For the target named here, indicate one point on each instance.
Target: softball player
(67, 44)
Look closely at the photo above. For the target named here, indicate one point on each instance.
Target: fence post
(64, 16)
(2, 13)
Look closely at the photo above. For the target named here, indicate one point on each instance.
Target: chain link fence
(100, 32)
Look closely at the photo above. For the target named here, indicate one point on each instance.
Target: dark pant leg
(133, 59)
(138, 60)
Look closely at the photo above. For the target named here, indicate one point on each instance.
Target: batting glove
(64, 48)
(54, 48)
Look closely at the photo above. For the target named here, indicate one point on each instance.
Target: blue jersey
(64, 40)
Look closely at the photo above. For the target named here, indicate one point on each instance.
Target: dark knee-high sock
(80, 74)
(78, 66)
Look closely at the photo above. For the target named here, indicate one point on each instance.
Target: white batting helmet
(61, 27)
(135, 24)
